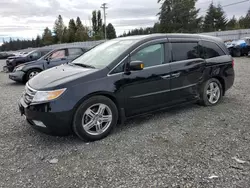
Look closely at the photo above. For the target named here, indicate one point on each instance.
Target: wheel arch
(222, 82)
(105, 94)
(28, 70)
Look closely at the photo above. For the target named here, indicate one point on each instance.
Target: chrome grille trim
(29, 94)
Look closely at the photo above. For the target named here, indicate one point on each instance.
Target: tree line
(174, 17)
(74, 32)
(182, 17)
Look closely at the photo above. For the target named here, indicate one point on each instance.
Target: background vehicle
(13, 61)
(26, 71)
(5, 55)
(239, 48)
(125, 77)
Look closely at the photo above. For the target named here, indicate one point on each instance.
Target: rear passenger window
(185, 50)
(75, 51)
(211, 50)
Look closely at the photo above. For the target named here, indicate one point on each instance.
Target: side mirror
(47, 59)
(31, 57)
(136, 65)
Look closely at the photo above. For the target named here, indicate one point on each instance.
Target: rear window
(75, 51)
(211, 50)
(185, 50)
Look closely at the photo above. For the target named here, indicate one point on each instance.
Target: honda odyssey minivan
(126, 77)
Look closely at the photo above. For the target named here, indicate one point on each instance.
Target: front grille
(29, 94)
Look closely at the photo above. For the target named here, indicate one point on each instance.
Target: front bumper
(42, 118)
(17, 76)
(10, 65)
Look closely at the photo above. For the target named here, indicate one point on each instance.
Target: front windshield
(28, 53)
(103, 54)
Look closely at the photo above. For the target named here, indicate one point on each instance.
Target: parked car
(125, 77)
(239, 48)
(26, 71)
(5, 55)
(14, 61)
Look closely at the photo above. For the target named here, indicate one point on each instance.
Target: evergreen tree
(81, 31)
(94, 22)
(47, 37)
(221, 19)
(178, 16)
(65, 37)
(215, 19)
(99, 21)
(97, 24)
(244, 22)
(111, 34)
(232, 24)
(38, 41)
(72, 30)
(58, 29)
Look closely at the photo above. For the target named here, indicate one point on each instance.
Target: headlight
(19, 68)
(43, 96)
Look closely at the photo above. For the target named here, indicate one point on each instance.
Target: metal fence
(87, 44)
(224, 35)
(230, 35)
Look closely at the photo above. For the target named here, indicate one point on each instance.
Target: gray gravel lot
(185, 147)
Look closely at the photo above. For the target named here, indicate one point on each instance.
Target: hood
(30, 62)
(16, 56)
(57, 76)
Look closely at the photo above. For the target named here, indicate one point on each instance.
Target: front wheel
(95, 118)
(31, 73)
(211, 93)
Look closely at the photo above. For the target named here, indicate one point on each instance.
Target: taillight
(233, 63)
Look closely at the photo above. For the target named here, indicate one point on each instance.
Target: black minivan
(125, 77)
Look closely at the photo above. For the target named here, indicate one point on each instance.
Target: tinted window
(75, 51)
(184, 51)
(58, 54)
(35, 55)
(211, 50)
(44, 53)
(150, 55)
(118, 69)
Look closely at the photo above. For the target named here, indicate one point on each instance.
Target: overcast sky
(27, 18)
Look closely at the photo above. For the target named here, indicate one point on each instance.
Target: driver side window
(151, 55)
(58, 54)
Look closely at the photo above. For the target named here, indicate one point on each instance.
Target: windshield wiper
(83, 65)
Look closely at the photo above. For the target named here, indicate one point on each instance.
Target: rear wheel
(236, 53)
(5, 69)
(31, 73)
(95, 118)
(211, 93)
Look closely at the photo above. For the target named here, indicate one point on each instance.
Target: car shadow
(14, 84)
(132, 122)
(137, 121)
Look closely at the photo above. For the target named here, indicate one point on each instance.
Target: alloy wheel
(97, 119)
(32, 74)
(213, 93)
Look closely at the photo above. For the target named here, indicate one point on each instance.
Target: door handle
(166, 76)
(176, 75)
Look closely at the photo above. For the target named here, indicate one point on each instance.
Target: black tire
(236, 53)
(27, 77)
(77, 121)
(204, 97)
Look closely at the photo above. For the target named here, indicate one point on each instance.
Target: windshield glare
(105, 53)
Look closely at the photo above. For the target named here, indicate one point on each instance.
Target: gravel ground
(185, 147)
